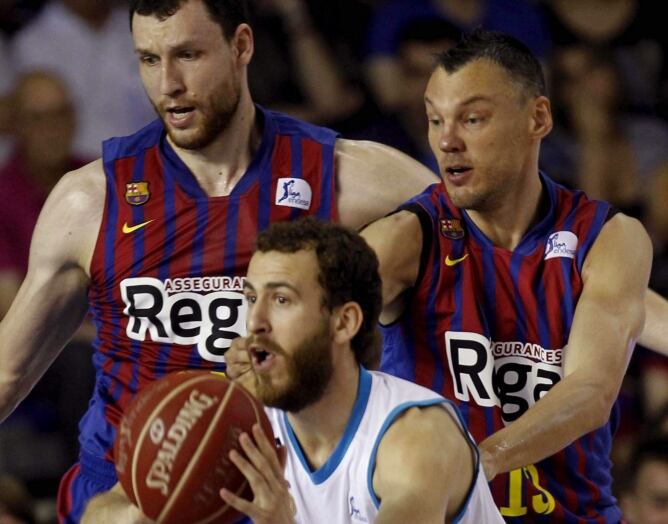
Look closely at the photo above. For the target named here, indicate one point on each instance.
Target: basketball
(171, 449)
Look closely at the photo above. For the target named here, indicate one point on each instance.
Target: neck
(506, 222)
(320, 426)
(219, 166)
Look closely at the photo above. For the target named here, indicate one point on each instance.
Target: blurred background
(68, 80)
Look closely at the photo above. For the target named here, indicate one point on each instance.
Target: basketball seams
(212, 426)
(147, 426)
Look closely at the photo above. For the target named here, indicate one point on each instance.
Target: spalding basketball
(172, 447)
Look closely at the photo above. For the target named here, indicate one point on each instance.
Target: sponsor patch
(561, 244)
(293, 192)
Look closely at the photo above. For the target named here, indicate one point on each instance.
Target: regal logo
(137, 193)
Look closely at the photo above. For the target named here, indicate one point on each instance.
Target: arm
(424, 468)
(113, 507)
(328, 96)
(655, 331)
(51, 302)
(608, 319)
(397, 241)
(373, 179)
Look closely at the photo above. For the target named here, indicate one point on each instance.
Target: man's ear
(541, 118)
(243, 43)
(347, 320)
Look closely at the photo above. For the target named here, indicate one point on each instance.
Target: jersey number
(541, 503)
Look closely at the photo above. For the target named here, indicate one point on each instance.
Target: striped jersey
(341, 490)
(487, 328)
(167, 271)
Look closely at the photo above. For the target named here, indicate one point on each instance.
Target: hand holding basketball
(173, 445)
(263, 468)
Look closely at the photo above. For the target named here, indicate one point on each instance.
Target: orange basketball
(171, 449)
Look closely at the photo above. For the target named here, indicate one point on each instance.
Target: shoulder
(620, 257)
(369, 152)
(623, 233)
(71, 217)
(81, 189)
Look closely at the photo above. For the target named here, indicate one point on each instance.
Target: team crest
(137, 193)
(452, 228)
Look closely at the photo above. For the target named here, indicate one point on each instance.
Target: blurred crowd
(68, 80)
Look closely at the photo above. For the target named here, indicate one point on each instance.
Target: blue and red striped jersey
(487, 328)
(167, 271)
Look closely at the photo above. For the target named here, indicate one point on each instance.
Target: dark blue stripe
(520, 313)
(169, 200)
(196, 268)
(567, 300)
(139, 252)
(542, 315)
(231, 229)
(297, 169)
(325, 210)
(431, 307)
(489, 288)
(109, 260)
(602, 209)
(260, 163)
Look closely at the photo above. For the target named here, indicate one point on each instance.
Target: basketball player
(362, 446)
(512, 296)
(156, 235)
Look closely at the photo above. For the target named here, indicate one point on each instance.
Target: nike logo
(131, 229)
(454, 261)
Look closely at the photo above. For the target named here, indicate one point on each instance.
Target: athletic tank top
(341, 490)
(487, 328)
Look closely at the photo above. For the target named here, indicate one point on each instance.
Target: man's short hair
(504, 50)
(226, 13)
(348, 272)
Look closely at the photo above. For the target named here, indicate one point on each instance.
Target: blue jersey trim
(323, 473)
(389, 420)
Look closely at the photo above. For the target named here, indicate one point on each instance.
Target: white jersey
(341, 491)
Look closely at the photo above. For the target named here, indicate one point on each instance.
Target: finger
(257, 458)
(268, 450)
(255, 478)
(240, 504)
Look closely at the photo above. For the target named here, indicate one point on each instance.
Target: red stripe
(64, 499)
(311, 170)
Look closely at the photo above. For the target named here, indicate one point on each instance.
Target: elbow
(10, 394)
(602, 398)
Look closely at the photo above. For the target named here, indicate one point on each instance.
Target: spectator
(599, 145)
(645, 501)
(43, 118)
(15, 502)
(295, 71)
(44, 124)
(6, 76)
(519, 18)
(631, 29)
(102, 78)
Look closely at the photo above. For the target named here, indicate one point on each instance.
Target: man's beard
(216, 118)
(310, 370)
